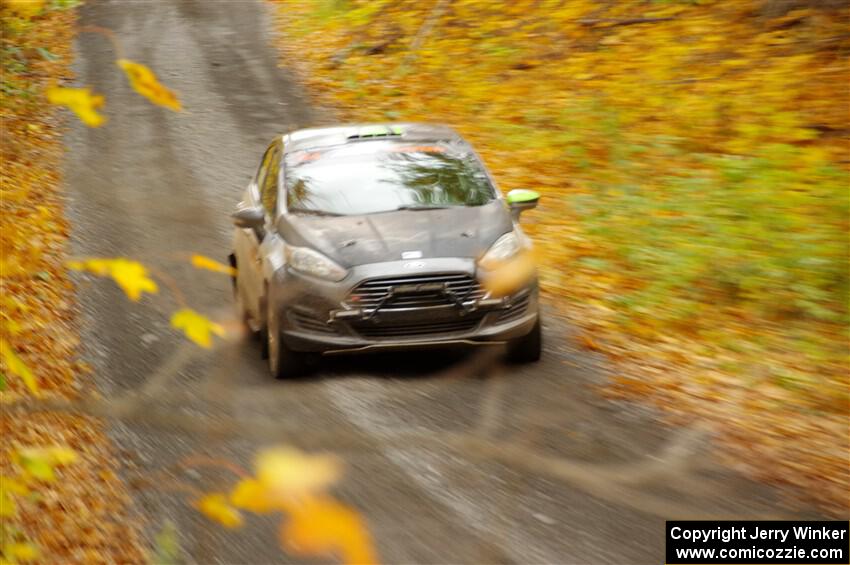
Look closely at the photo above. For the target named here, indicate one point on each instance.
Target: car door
(248, 241)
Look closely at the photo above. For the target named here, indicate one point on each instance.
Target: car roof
(315, 138)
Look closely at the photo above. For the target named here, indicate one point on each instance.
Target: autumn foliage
(692, 158)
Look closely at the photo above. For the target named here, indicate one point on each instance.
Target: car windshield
(369, 177)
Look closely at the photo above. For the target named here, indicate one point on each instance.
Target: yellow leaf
(8, 506)
(60, 454)
(323, 527)
(196, 327)
(508, 276)
(17, 367)
(131, 276)
(215, 507)
(25, 8)
(202, 262)
(250, 495)
(17, 552)
(8, 484)
(144, 81)
(39, 462)
(80, 101)
(287, 473)
(9, 487)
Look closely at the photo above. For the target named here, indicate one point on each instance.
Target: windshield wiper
(313, 212)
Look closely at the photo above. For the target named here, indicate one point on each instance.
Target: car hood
(358, 240)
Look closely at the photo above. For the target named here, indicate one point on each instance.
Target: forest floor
(82, 514)
(693, 163)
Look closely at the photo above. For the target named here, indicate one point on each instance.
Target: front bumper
(316, 316)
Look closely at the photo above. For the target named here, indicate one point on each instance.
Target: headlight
(506, 247)
(313, 263)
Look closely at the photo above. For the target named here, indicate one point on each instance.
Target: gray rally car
(381, 236)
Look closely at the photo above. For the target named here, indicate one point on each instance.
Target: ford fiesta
(376, 237)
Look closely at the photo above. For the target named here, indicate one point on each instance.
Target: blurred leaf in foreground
(144, 81)
(196, 327)
(216, 507)
(296, 484)
(322, 526)
(287, 473)
(203, 262)
(131, 276)
(80, 101)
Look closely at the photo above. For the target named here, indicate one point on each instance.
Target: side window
(268, 188)
(264, 167)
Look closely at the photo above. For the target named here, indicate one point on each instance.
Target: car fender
(274, 261)
(272, 250)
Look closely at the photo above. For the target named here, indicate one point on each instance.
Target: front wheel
(283, 362)
(527, 349)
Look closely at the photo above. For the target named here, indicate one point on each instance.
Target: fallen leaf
(25, 8)
(17, 552)
(8, 488)
(17, 367)
(39, 462)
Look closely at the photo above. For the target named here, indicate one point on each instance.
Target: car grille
(386, 330)
(370, 293)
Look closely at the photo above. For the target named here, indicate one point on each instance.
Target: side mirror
(251, 217)
(521, 199)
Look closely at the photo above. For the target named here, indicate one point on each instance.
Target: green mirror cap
(520, 195)
(379, 130)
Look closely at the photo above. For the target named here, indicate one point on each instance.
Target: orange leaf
(323, 527)
(144, 81)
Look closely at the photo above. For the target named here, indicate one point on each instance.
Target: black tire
(527, 349)
(283, 362)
